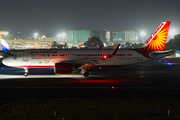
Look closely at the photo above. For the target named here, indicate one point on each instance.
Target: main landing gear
(26, 72)
(84, 71)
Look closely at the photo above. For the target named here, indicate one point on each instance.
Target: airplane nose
(5, 61)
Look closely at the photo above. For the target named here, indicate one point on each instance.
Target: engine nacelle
(63, 68)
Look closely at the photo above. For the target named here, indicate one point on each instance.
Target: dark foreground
(91, 108)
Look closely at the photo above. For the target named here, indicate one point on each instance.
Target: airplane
(65, 61)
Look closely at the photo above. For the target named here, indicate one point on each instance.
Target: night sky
(55, 16)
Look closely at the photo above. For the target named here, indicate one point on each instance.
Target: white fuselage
(46, 58)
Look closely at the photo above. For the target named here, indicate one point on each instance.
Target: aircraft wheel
(86, 74)
(25, 74)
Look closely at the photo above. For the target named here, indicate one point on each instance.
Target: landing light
(159, 60)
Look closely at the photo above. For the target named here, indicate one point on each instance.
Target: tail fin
(80, 45)
(157, 40)
(4, 45)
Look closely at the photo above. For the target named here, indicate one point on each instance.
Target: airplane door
(139, 56)
(25, 55)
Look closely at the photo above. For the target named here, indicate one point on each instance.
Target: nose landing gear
(26, 71)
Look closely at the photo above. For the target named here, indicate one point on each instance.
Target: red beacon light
(104, 57)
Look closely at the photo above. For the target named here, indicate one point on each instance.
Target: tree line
(173, 44)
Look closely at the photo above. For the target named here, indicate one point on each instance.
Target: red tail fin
(157, 40)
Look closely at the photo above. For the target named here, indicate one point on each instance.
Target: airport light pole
(35, 35)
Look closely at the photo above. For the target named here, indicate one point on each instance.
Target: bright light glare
(172, 32)
(63, 35)
(143, 33)
(59, 35)
(35, 34)
(1, 56)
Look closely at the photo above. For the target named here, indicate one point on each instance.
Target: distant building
(75, 37)
(99, 33)
(119, 37)
(3, 34)
(129, 36)
(109, 36)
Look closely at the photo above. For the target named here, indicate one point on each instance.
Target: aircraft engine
(63, 68)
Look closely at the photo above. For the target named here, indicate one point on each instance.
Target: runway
(143, 81)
